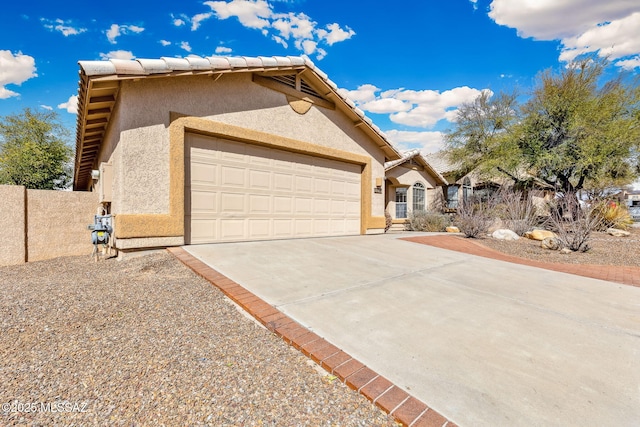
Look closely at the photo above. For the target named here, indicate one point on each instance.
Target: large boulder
(504, 234)
(618, 233)
(550, 243)
(496, 224)
(539, 234)
(452, 229)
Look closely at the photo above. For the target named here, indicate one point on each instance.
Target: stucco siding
(57, 223)
(233, 99)
(12, 224)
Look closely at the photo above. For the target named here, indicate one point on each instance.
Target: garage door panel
(203, 201)
(283, 205)
(232, 203)
(259, 179)
(259, 228)
(203, 173)
(232, 176)
(240, 191)
(283, 182)
(259, 204)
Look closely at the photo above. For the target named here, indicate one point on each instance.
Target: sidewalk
(612, 273)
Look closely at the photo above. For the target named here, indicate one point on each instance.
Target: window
(401, 202)
(418, 197)
(452, 196)
(467, 190)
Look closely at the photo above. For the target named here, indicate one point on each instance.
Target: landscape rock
(565, 251)
(452, 229)
(504, 234)
(618, 233)
(539, 234)
(550, 243)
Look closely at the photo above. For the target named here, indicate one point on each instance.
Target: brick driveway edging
(626, 275)
(405, 408)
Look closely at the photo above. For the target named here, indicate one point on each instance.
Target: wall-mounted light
(95, 174)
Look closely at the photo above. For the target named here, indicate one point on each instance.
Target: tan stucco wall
(402, 176)
(57, 223)
(43, 224)
(142, 154)
(12, 224)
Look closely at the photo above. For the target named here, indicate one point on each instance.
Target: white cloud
(475, 4)
(46, 107)
(423, 108)
(71, 105)
(116, 31)
(63, 27)
(609, 28)
(250, 13)
(629, 64)
(386, 106)
(14, 70)
(223, 49)
(185, 46)
(364, 93)
(282, 27)
(117, 54)
(426, 142)
(197, 19)
(336, 34)
(165, 42)
(178, 22)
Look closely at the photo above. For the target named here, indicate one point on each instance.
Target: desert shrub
(428, 221)
(573, 223)
(517, 210)
(613, 215)
(474, 217)
(388, 221)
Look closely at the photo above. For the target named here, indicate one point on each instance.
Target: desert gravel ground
(605, 250)
(146, 342)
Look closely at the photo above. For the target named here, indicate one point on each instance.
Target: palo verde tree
(33, 151)
(574, 131)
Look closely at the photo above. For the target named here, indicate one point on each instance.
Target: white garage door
(237, 191)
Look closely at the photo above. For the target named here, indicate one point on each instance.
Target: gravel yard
(605, 250)
(147, 342)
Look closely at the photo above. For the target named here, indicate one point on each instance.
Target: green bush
(428, 221)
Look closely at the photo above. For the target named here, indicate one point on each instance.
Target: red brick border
(613, 273)
(390, 398)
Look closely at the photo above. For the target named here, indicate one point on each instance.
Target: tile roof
(415, 154)
(98, 92)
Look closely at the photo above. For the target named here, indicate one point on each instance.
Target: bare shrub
(388, 221)
(428, 221)
(573, 223)
(474, 217)
(517, 210)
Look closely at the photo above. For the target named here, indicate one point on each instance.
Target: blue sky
(407, 64)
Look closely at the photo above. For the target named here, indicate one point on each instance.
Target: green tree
(33, 151)
(575, 131)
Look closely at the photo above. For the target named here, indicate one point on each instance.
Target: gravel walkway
(147, 342)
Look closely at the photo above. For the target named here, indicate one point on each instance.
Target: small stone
(565, 251)
(616, 232)
(452, 229)
(550, 243)
(505, 234)
(539, 234)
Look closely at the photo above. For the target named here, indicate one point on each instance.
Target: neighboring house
(456, 190)
(632, 200)
(411, 185)
(196, 150)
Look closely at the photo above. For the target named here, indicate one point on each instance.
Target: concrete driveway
(483, 342)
